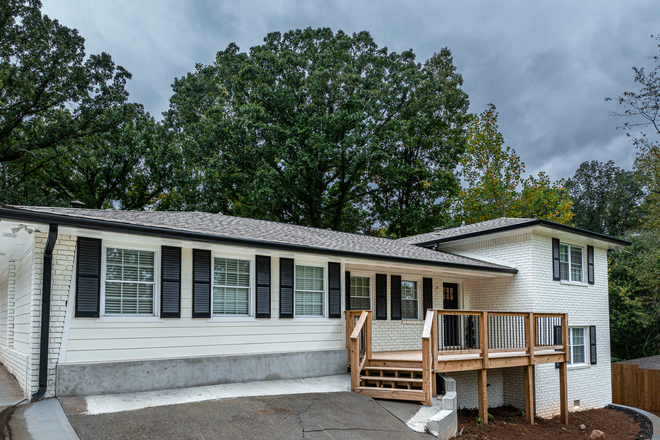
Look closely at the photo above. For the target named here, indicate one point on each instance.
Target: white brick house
(184, 299)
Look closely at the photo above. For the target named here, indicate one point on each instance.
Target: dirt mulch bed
(509, 423)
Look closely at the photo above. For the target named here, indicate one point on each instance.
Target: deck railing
(359, 343)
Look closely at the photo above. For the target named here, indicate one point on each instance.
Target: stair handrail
(363, 324)
(428, 365)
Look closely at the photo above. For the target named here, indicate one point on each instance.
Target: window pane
(563, 271)
(231, 301)
(308, 297)
(409, 299)
(578, 355)
(231, 282)
(129, 285)
(576, 264)
(577, 346)
(563, 252)
(229, 272)
(360, 293)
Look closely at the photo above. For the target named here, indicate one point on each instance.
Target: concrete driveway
(342, 415)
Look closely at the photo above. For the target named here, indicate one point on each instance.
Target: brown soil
(509, 423)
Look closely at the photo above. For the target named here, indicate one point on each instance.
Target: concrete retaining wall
(160, 374)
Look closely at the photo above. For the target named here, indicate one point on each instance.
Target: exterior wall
(108, 339)
(4, 306)
(586, 305)
(389, 335)
(533, 289)
(467, 391)
(23, 302)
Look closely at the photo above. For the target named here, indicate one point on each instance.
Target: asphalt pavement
(340, 415)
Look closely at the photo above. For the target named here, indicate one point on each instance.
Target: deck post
(367, 336)
(434, 355)
(355, 364)
(426, 371)
(529, 393)
(563, 379)
(482, 383)
(483, 339)
(530, 339)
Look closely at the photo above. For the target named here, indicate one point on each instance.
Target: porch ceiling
(15, 240)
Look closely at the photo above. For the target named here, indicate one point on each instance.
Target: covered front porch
(459, 341)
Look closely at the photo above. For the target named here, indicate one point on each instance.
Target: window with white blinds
(231, 287)
(129, 282)
(309, 291)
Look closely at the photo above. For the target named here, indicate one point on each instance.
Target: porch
(457, 341)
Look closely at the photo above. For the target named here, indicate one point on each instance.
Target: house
(96, 301)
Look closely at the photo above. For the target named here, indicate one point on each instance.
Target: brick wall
(61, 272)
(533, 289)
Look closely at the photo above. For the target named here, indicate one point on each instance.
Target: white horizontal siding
(23, 306)
(93, 340)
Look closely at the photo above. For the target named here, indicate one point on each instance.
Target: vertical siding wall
(14, 346)
(4, 306)
(123, 338)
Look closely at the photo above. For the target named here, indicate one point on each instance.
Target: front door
(450, 301)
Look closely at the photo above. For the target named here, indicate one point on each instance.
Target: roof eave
(536, 222)
(153, 231)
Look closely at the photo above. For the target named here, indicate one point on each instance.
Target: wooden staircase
(385, 379)
(400, 383)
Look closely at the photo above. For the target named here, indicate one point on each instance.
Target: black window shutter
(88, 277)
(555, 259)
(334, 290)
(592, 344)
(347, 290)
(381, 296)
(395, 296)
(590, 264)
(263, 286)
(427, 294)
(556, 339)
(170, 275)
(286, 288)
(201, 283)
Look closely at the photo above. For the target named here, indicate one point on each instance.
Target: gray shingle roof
(218, 225)
(463, 230)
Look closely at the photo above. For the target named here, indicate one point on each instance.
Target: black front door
(450, 301)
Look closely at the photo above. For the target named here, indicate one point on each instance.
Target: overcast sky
(547, 66)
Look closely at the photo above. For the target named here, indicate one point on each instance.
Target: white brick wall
(61, 273)
(533, 289)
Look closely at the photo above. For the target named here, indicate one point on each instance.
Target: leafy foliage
(49, 91)
(634, 291)
(314, 128)
(606, 198)
(494, 185)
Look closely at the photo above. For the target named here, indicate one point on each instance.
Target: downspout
(45, 312)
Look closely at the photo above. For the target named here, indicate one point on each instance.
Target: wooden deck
(459, 340)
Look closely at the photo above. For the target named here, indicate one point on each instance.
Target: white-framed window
(577, 346)
(409, 300)
(231, 287)
(309, 291)
(129, 286)
(570, 263)
(360, 295)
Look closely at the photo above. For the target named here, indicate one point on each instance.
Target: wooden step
(392, 393)
(391, 379)
(413, 369)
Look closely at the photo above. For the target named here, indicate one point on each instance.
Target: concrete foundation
(87, 379)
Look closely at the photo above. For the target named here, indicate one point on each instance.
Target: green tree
(634, 292)
(493, 180)
(304, 128)
(50, 92)
(606, 198)
(127, 167)
(641, 111)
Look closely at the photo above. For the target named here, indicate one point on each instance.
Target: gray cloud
(546, 66)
